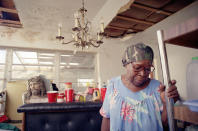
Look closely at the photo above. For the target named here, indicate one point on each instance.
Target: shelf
(184, 34)
(184, 114)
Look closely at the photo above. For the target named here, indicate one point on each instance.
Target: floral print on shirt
(127, 111)
(130, 111)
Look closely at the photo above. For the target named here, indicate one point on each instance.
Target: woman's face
(138, 72)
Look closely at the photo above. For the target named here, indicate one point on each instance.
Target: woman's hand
(172, 92)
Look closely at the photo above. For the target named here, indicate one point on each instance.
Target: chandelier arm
(94, 45)
(68, 42)
(86, 27)
(79, 24)
(87, 22)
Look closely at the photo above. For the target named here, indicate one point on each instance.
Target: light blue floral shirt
(133, 111)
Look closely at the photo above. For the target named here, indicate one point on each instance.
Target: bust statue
(36, 91)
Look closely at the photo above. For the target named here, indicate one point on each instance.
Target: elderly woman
(135, 102)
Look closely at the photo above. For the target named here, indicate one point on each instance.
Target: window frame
(56, 65)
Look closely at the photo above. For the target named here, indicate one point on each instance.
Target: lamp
(81, 31)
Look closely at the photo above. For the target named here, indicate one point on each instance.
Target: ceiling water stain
(8, 32)
(30, 36)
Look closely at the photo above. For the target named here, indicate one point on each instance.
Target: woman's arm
(105, 124)
(164, 116)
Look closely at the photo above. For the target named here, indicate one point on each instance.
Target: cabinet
(73, 116)
(184, 34)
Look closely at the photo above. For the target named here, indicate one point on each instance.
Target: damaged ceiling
(134, 17)
(8, 14)
(141, 14)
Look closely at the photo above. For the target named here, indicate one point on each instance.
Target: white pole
(166, 76)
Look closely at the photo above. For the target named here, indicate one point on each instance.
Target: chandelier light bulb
(99, 38)
(76, 37)
(59, 29)
(102, 27)
(76, 22)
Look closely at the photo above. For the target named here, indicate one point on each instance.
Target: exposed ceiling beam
(1, 15)
(10, 22)
(134, 20)
(122, 28)
(151, 9)
(114, 34)
(8, 10)
(11, 25)
(116, 27)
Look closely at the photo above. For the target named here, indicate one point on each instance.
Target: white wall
(176, 57)
(179, 57)
(110, 57)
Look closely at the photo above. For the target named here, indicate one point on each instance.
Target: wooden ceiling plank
(8, 10)
(11, 25)
(122, 28)
(116, 27)
(134, 20)
(10, 22)
(149, 14)
(151, 9)
(1, 15)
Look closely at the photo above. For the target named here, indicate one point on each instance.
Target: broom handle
(166, 76)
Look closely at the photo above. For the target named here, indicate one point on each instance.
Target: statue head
(36, 87)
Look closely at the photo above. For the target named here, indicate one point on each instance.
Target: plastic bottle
(96, 95)
(192, 79)
(103, 91)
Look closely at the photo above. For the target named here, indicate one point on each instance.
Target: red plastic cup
(103, 92)
(61, 94)
(69, 95)
(52, 96)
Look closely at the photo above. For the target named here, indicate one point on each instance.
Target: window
(61, 67)
(27, 64)
(2, 66)
(75, 68)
